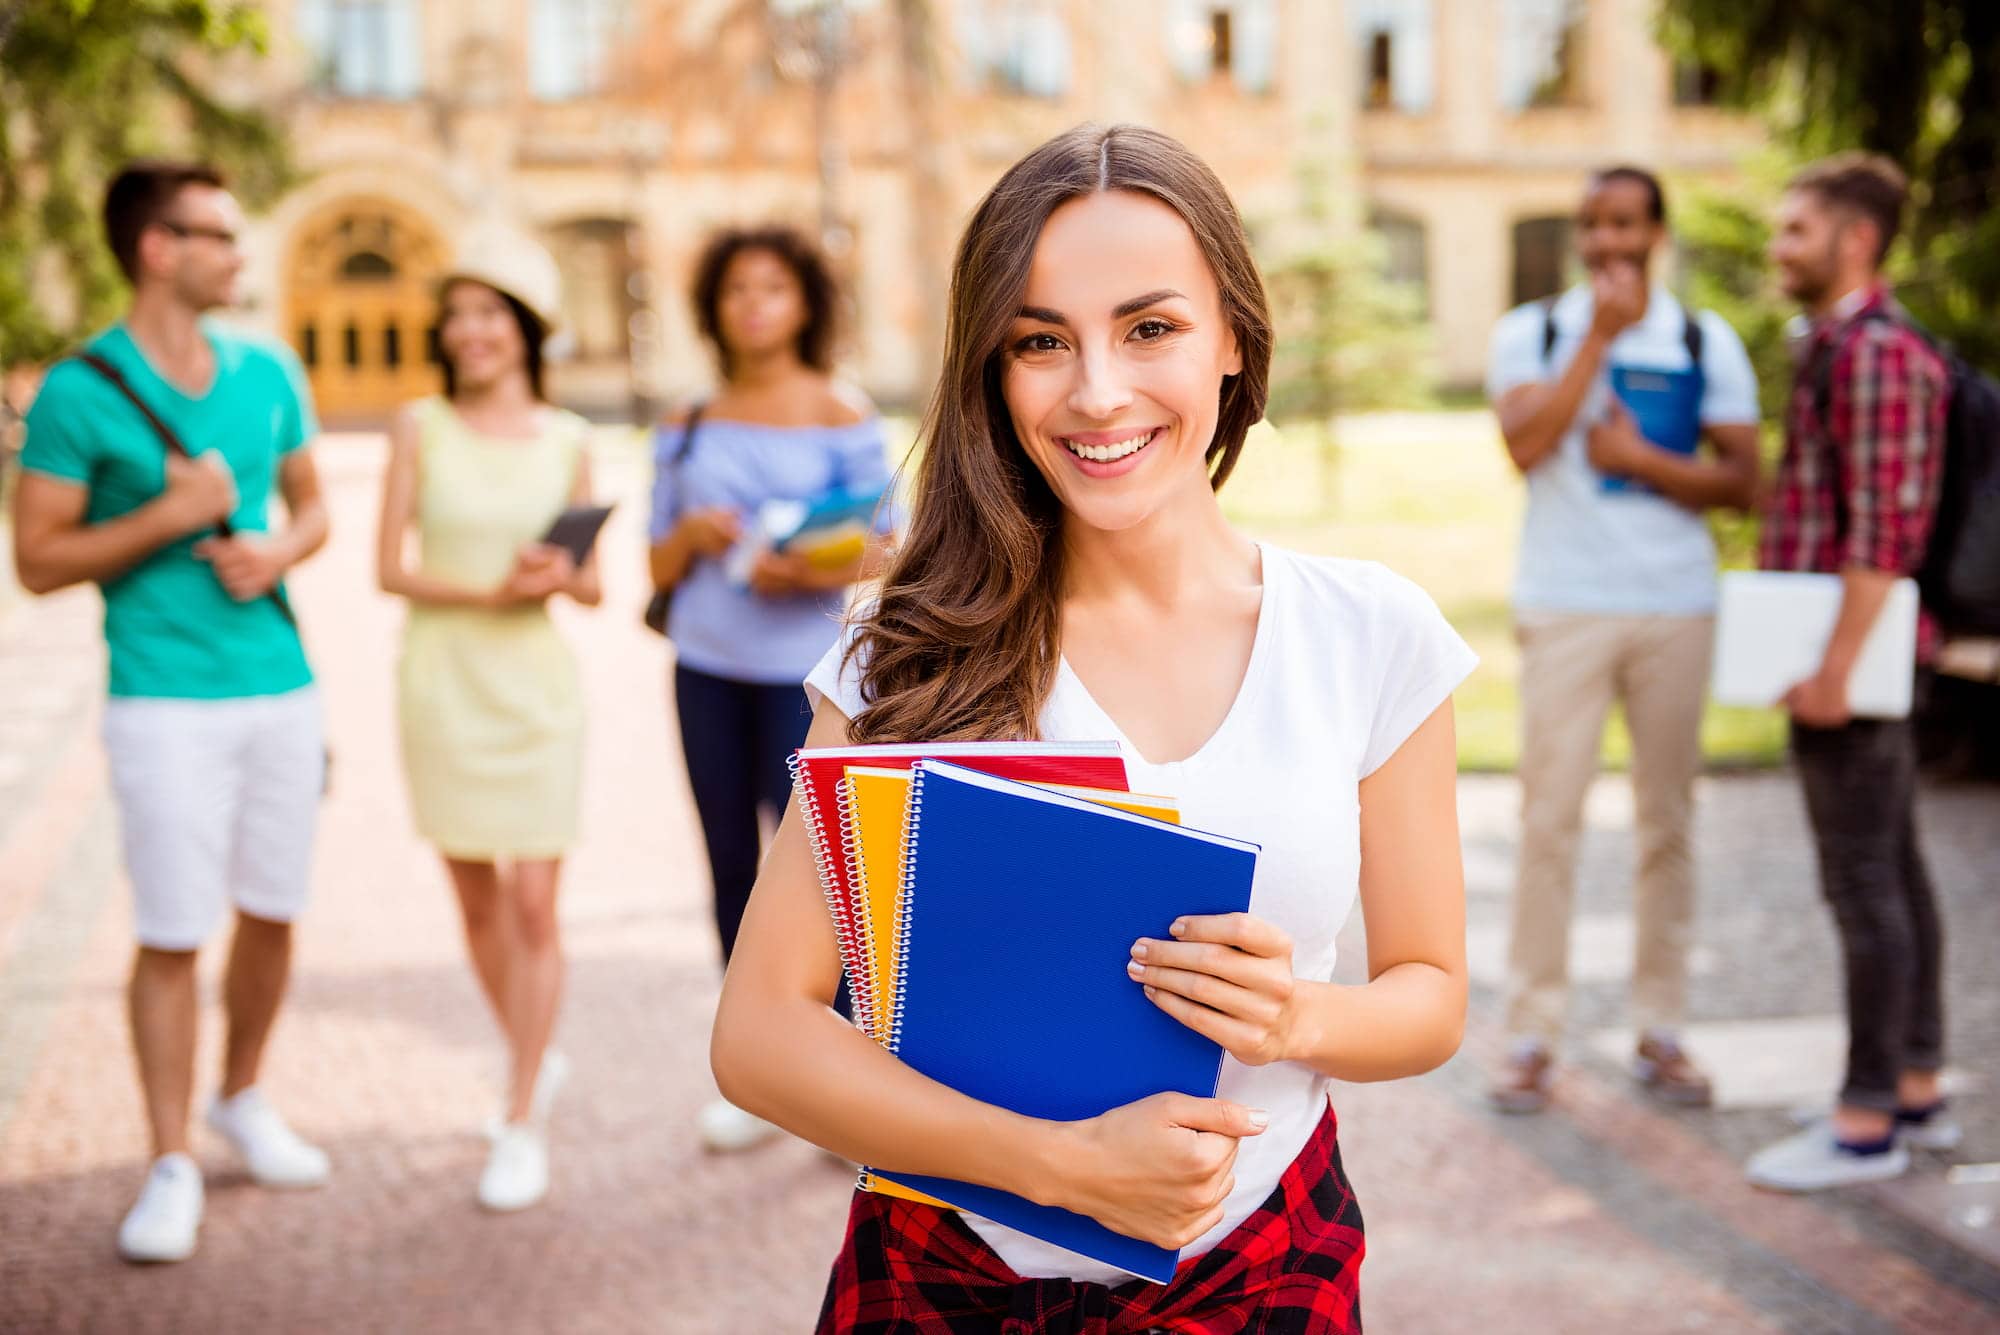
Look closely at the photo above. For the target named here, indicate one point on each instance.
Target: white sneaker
(725, 1128)
(162, 1224)
(1937, 1130)
(549, 1081)
(1814, 1160)
(276, 1155)
(517, 1171)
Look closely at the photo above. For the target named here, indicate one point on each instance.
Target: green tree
(1917, 81)
(84, 86)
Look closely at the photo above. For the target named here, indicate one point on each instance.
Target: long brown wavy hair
(963, 639)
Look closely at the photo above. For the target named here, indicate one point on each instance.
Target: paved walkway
(1604, 1215)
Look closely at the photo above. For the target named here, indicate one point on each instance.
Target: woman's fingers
(1244, 931)
(1225, 962)
(1218, 994)
(1249, 1043)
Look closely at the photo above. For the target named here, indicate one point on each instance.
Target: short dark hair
(1866, 184)
(1656, 197)
(139, 197)
(799, 255)
(533, 334)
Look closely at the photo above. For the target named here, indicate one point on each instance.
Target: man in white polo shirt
(1629, 417)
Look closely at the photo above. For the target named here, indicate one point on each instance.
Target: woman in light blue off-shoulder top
(748, 625)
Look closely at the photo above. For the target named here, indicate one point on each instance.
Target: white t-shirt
(1348, 659)
(1586, 549)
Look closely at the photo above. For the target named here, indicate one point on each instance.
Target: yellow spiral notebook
(874, 808)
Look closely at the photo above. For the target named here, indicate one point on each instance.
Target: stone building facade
(624, 131)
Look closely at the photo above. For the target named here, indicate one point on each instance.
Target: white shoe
(1938, 1131)
(163, 1223)
(549, 1081)
(517, 1171)
(276, 1155)
(725, 1128)
(1814, 1160)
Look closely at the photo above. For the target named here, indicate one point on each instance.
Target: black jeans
(1861, 788)
(737, 736)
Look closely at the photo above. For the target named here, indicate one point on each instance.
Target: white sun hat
(508, 260)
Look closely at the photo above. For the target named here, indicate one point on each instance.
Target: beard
(1809, 283)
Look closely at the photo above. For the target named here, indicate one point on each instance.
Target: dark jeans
(1861, 788)
(737, 736)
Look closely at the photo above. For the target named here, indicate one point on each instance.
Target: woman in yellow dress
(490, 704)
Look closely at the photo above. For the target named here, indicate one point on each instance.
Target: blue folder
(1666, 406)
(1020, 910)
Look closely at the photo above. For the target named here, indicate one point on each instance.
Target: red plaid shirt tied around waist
(1293, 1266)
(1858, 488)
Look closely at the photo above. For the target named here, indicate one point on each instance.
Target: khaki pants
(1572, 666)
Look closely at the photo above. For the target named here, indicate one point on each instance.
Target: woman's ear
(1232, 354)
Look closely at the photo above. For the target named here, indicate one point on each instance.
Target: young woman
(777, 428)
(1069, 575)
(490, 705)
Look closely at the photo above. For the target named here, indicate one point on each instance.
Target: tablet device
(1771, 631)
(576, 528)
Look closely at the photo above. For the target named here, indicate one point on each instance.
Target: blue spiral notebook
(1020, 907)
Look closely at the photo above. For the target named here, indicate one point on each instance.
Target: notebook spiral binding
(906, 895)
(843, 929)
(862, 983)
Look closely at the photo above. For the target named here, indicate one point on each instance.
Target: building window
(1393, 38)
(1405, 253)
(1237, 41)
(1016, 46)
(1696, 84)
(573, 43)
(1543, 256)
(1541, 53)
(363, 48)
(595, 258)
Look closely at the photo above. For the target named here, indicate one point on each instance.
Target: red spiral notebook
(817, 772)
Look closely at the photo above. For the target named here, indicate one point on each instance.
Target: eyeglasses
(222, 234)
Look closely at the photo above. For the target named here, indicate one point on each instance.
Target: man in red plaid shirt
(1855, 495)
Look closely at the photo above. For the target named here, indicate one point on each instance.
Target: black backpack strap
(1548, 305)
(1691, 335)
(686, 447)
(688, 428)
(174, 444)
(1822, 370)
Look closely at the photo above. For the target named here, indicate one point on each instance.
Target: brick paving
(1604, 1215)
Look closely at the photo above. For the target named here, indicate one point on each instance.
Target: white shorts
(217, 800)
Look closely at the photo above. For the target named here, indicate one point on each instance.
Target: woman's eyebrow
(1126, 308)
(1044, 315)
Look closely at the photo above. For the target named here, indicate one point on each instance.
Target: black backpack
(1960, 576)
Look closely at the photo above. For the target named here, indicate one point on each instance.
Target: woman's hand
(1228, 977)
(1159, 1169)
(540, 570)
(711, 532)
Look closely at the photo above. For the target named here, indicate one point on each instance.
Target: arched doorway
(361, 299)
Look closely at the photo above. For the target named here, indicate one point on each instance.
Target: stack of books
(986, 897)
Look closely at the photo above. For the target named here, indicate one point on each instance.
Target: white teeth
(1104, 454)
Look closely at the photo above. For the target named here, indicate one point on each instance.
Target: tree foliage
(1918, 81)
(86, 85)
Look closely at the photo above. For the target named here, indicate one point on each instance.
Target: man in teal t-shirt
(213, 730)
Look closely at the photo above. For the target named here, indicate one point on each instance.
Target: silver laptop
(1772, 629)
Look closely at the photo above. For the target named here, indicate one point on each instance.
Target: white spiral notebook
(1772, 628)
